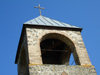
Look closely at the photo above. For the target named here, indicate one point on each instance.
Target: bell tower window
(54, 50)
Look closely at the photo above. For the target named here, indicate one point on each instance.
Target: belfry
(45, 48)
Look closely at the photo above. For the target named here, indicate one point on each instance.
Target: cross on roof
(39, 8)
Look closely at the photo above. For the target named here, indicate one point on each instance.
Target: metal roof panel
(45, 21)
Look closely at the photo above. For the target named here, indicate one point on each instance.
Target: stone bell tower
(45, 48)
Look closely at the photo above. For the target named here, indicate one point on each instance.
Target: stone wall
(23, 60)
(35, 35)
(60, 69)
(31, 44)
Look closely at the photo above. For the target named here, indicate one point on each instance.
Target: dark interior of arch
(54, 51)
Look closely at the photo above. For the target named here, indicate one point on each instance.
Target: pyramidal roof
(45, 21)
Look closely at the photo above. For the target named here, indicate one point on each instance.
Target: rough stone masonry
(34, 37)
(61, 69)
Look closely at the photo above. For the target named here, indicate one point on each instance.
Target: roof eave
(53, 27)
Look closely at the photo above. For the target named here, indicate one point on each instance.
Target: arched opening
(56, 49)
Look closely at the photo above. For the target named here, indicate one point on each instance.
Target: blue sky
(13, 13)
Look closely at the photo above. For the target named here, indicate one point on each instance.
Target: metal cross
(39, 8)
